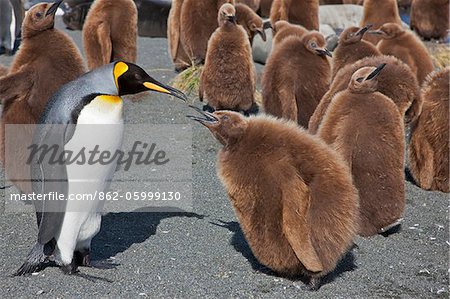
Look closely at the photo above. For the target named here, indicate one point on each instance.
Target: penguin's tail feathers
(34, 261)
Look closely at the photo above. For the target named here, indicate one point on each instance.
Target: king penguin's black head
(131, 79)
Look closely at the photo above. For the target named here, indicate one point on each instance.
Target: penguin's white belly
(99, 128)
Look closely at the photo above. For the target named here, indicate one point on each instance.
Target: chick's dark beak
(159, 87)
(52, 10)
(375, 32)
(324, 52)
(363, 30)
(207, 119)
(232, 19)
(262, 33)
(376, 72)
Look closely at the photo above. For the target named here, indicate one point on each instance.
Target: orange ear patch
(119, 69)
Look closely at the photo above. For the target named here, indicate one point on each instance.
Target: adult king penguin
(69, 122)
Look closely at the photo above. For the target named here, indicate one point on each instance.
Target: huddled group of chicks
(324, 163)
(327, 160)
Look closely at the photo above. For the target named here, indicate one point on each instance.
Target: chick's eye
(360, 79)
(225, 117)
(314, 45)
(38, 14)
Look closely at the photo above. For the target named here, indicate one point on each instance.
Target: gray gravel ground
(204, 254)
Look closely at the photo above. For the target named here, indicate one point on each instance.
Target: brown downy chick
(228, 78)
(47, 59)
(430, 18)
(301, 12)
(377, 13)
(198, 20)
(283, 29)
(264, 8)
(406, 46)
(429, 146)
(357, 2)
(253, 4)
(326, 2)
(293, 90)
(397, 82)
(404, 3)
(351, 48)
(293, 195)
(252, 23)
(366, 128)
(110, 32)
(3, 70)
(176, 51)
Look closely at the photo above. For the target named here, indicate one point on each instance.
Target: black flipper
(49, 177)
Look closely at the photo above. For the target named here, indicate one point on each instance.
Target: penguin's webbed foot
(16, 46)
(198, 61)
(71, 268)
(254, 109)
(314, 284)
(181, 68)
(392, 228)
(208, 108)
(83, 258)
(311, 284)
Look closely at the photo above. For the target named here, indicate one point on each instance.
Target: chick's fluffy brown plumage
(293, 194)
(429, 146)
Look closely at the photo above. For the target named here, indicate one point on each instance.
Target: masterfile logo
(127, 167)
(142, 153)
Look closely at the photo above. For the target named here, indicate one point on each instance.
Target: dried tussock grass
(440, 53)
(188, 81)
(442, 59)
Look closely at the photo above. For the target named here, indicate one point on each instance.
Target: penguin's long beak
(159, 87)
(363, 30)
(206, 120)
(376, 72)
(232, 19)
(52, 10)
(262, 33)
(324, 52)
(376, 32)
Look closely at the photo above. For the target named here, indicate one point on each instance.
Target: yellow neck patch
(119, 69)
(110, 99)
